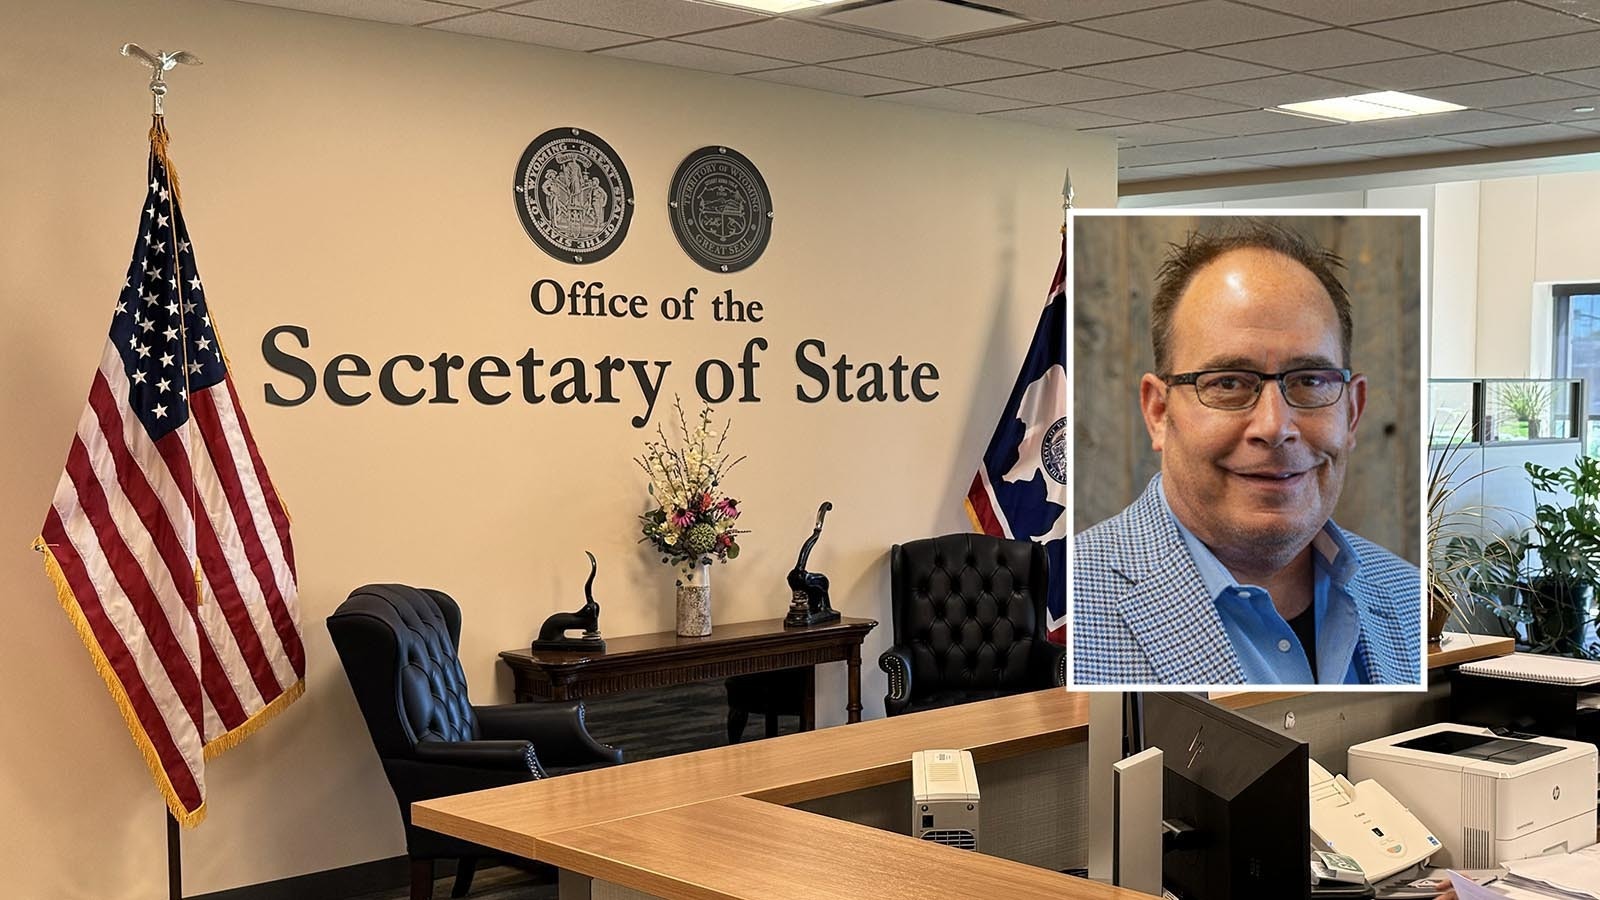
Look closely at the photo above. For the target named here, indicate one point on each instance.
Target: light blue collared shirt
(1268, 649)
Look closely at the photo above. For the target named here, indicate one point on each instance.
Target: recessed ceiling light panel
(1367, 107)
(776, 6)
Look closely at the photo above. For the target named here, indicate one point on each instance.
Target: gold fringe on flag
(158, 143)
(69, 603)
(223, 743)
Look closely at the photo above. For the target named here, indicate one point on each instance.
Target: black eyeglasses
(1235, 389)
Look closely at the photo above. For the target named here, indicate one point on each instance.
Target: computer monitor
(1238, 794)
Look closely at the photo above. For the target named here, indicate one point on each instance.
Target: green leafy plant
(1526, 401)
(1468, 565)
(1564, 540)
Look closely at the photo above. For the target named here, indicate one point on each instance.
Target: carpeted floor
(646, 725)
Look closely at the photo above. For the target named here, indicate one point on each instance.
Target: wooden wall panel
(1114, 263)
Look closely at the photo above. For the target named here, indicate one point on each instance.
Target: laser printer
(1489, 798)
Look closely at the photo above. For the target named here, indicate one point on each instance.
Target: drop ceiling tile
(1073, 10)
(1556, 110)
(1418, 72)
(1318, 50)
(1149, 134)
(690, 56)
(1302, 158)
(834, 81)
(1570, 51)
(1409, 147)
(524, 30)
(1157, 107)
(1524, 134)
(1277, 90)
(1277, 142)
(931, 65)
(1588, 9)
(920, 21)
(1051, 88)
(1255, 121)
(1165, 153)
(1057, 47)
(1478, 26)
(1508, 91)
(395, 12)
(1135, 174)
(1176, 70)
(1589, 77)
(1216, 166)
(1349, 12)
(952, 100)
(1204, 23)
(647, 17)
(798, 41)
(1058, 117)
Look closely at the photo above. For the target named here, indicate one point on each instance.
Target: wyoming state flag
(1020, 491)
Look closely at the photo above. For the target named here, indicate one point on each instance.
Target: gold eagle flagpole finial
(160, 64)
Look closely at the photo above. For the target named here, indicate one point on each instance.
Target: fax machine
(1490, 799)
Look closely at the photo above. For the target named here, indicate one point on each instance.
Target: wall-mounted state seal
(720, 209)
(573, 195)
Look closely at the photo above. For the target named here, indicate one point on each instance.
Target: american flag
(166, 540)
(1020, 490)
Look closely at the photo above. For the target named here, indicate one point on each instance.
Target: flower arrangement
(693, 520)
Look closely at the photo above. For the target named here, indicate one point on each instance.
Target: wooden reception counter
(715, 824)
(520, 819)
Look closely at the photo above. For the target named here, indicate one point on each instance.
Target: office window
(1577, 348)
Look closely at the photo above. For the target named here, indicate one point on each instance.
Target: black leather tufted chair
(969, 622)
(399, 649)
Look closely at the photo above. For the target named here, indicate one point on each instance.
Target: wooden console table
(664, 659)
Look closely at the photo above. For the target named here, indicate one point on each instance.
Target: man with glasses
(1229, 569)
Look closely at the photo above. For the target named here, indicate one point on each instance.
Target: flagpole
(160, 63)
(1066, 198)
(174, 859)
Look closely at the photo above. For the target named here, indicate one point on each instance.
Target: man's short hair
(1200, 248)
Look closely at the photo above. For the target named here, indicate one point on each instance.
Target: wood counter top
(705, 852)
(786, 769)
(1455, 648)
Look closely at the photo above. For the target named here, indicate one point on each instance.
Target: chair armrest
(896, 662)
(556, 729)
(414, 780)
(506, 756)
(1049, 665)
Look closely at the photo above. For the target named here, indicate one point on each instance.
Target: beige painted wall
(354, 178)
(1507, 226)
(1454, 319)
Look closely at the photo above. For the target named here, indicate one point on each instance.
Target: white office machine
(1366, 823)
(944, 798)
(1490, 799)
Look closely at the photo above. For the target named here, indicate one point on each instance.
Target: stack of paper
(1575, 875)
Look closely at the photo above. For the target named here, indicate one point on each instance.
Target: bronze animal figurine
(553, 633)
(810, 605)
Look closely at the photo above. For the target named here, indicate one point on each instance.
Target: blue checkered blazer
(1141, 613)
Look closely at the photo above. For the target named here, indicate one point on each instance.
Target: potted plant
(1467, 564)
(1564, 550)
(692, 520)
(1527, 401)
